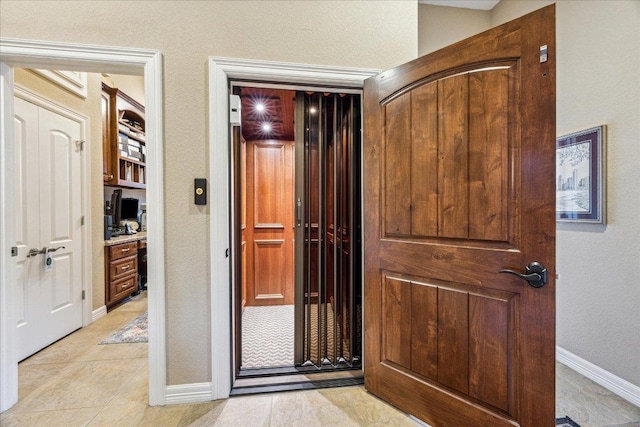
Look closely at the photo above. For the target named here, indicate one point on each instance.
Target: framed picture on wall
(580, 176)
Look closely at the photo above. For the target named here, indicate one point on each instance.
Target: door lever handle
(535, 274)
(298, 212)
(36, 251)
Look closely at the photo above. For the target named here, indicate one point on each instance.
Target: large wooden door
(270, 222)
(459, 153)
(48, 215)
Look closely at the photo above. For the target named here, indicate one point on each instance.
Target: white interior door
(48, 215)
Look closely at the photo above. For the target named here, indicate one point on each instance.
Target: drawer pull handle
(126, 249)
(126, 267)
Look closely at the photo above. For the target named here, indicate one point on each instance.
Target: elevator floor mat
(267, 336)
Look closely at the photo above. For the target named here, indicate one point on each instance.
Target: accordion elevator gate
(326, 208)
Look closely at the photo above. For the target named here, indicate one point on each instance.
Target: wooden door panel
(458, 189)
(459, 156)
(396, 311)
(398, 166)
(269, 264)
(424, 160)
(453, 339)
(489, 118)
(270, 222)
(424, 330)
(453, 203)
(458, 337)
(268, 185)
(489, 328)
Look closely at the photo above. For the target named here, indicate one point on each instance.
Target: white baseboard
(187, 393)
(98, 313)
(606, 379)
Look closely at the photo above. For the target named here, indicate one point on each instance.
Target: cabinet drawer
(123, 287)
(123, 267)
(142, 243)
(123, 250)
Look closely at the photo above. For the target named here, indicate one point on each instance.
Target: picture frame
(580, 176)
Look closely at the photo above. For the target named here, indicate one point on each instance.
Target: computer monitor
(129, 209)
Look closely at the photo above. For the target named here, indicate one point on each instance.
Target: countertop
(140, 235)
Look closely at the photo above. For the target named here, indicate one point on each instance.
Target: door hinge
(82, 220)
(80, 145)
(14, 251)
(235, 108)
(84, 295)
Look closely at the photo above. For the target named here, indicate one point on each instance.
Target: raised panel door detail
(490, 326)
(27, 219)
(49, 183)
(269, 266)
(61, 172)
(268, 185)
(22, 193)
(270, 223)
(457, 336)
(22, 294)
(467, 133)
(61, 282)
(446, 157)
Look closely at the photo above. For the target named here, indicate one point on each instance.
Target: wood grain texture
(488, 154)
(270, 220)
(453, 156)
(398, 166)
(269, 260)
(424, 330)
(496, 148)
(453, 339)
(424, 160)
(396, 306)
(489, 325)
(269, 180)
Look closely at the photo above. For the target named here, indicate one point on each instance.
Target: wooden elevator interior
(297, 163)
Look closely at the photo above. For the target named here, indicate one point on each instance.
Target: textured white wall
(598, 82)
(378, 34)
(440, 26)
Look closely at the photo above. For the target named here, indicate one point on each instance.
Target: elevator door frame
(236, 221)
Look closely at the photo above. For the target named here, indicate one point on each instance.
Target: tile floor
(76, 382)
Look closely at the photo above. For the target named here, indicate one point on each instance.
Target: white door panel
(27, 197)
(48, 215)
(27, 219)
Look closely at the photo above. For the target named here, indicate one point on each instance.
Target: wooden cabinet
(109, 116)
(121, 271)
(123, 140)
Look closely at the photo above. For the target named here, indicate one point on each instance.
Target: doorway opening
(50, 323)
(24, 53)
(297, 281)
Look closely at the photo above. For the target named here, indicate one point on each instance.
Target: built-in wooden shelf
(124, 141)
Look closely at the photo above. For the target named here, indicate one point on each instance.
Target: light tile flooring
(76, 382)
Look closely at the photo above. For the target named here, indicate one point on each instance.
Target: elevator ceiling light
(260, 107)
(266, 127)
